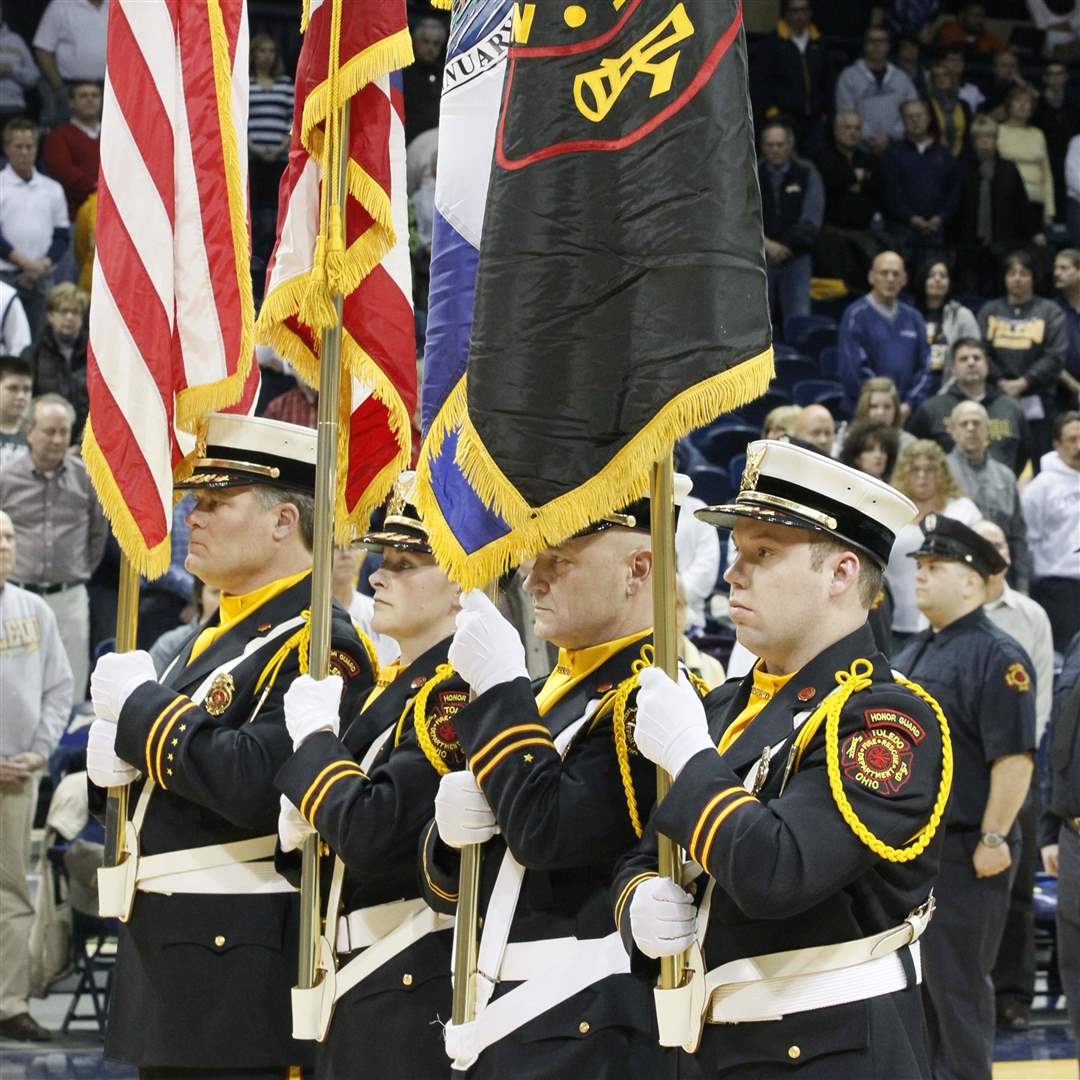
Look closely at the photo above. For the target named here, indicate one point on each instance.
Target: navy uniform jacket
(373, 823)
(203, 980)
(567, 821)
(790, 873)
(983, 680)
(1062, 793)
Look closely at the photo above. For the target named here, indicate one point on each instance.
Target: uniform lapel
(257, 623)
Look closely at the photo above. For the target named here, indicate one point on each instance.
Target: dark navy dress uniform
(984, 681)
(567, 821)
(790, 872)
(202, 980)
(389, 1024)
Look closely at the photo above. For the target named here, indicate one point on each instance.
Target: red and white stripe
(171, 324)
(378, 339)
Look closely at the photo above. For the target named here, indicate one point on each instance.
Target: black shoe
(24, 1028)
(1014, 1017)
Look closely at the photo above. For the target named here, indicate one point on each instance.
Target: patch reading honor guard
(894, 719)
(219, 696)
(448, 703)
(343, 665)
(1017, 678)
(879, 759)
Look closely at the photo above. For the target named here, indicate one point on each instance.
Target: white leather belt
(364, 926)
(524, 959)
(216, 869)
(774, 998)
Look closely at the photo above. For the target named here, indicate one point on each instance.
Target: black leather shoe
(24, 1028)
(1014, 1017)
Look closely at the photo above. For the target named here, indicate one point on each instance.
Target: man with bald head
(881, 335)
(815, 425)
(990, 484)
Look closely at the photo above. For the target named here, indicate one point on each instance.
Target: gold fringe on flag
(624, 478)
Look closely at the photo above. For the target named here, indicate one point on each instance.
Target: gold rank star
(528, 757)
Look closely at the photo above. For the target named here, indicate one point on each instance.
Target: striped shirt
(270, 112)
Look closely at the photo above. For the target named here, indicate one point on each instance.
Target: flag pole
(666, 644)
(467, 921)
(322, 566)
(127, 625)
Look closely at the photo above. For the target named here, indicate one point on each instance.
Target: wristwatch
(991, 839)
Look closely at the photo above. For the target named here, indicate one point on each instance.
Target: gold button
(793, 1052)
(407, 979)
(583, 1027)
(219, 940)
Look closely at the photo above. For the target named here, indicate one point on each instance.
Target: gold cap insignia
(219, 696)
(752, 469)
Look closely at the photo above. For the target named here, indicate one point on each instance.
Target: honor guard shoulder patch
(879, 759)
(220, 695)
(343, 665)
(1017, 678)
(895, 719)
(442, 709)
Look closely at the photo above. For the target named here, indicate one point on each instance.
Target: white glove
(671, 726)
(461, 811)
(292, 827)
(102, 765)
(312, 705)
(486, 649)
(662, 918)
(115, 676)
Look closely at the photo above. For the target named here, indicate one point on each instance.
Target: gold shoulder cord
(828, 712)
(301, 641)
(423, 735)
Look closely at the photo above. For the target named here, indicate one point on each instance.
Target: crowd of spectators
(920, 180)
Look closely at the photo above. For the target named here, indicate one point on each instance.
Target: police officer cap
(243, 450)
(401, 526)
(638, 514)
(787, 484)
(948, 538)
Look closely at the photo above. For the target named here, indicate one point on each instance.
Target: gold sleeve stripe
(354, 771)
(508, 750)
(441, 893)
(628, 890)
(516, 730)
(174, 704)
(164, 738)
(709, 807)
(703, 859)
(340, 763)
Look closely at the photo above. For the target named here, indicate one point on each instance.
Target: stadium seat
(712, 484)
(792, 370)
(735, 470)
(817, 340)
(828, 363)
(810, 391)
(797, 327)
(755, 412)
(725, 442)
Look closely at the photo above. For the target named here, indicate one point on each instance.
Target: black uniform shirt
(985, 685)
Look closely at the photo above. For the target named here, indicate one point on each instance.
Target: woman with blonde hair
(1020, 142)
(922, 474)
(879, 399)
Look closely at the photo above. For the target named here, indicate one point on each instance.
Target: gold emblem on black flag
(219, 696)
(606, 82)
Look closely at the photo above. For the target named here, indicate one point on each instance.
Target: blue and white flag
(469, 115)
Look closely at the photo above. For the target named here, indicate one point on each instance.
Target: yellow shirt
(765, 688)
(235, 609)
(387, 674)
(573, 666)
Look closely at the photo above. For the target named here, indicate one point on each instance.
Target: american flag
(172, 321)
(378, 351)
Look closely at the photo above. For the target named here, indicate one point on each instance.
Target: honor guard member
(208, 952)
(984, 681)
(554, 771)
(1060, 826)
(810, 792)
(369, 793)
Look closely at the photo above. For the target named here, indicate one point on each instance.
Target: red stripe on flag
(143, 109)
(126, 463)
(369, 430)
(201, 99)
